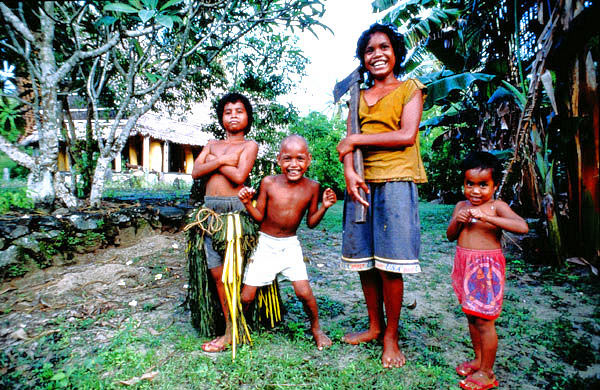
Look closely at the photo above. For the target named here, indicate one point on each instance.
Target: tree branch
(17, 155)
(68, 65)
(19, 25)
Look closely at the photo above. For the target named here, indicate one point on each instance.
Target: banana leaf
(439, 90)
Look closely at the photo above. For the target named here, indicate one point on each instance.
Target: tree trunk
(102, 166)
(41, 181)
(40, 187)
(63, 190)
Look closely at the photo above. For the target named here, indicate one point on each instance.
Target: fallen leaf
(131, 381)
(582, 261)
(147, 376)
(412, 306)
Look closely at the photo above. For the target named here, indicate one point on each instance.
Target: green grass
(540, 345)
(331, 221)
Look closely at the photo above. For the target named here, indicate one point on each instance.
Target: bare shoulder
(216, 144)
(250, 144)
(460, 205)
(210, 143)
(251, 147)
(268, 181)
(311, 184)
(502, 207)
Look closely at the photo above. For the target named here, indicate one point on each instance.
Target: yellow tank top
(385, 115)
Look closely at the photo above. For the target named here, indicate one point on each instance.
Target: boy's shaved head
(293, 138)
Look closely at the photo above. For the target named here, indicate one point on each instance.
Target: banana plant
(545, 168)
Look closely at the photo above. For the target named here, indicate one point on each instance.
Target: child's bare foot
(392, 356)
(217, 345)
(321, 339)
(361, 337)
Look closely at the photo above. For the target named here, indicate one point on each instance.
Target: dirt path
(549, 331)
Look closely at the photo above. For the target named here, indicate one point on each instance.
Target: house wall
(189, 160)
(156, 156)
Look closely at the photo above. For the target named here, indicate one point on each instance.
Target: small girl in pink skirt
(478, 274)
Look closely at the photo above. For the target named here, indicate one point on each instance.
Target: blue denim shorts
(390, 239)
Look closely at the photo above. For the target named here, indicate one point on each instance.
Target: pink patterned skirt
(478, 281)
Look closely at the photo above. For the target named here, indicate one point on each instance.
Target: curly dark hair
(483, 160)
(396, 39)
(234, 97)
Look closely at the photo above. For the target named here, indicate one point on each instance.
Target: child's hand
(464, 216)
(246, 194)
(478, 214)
(329, 198)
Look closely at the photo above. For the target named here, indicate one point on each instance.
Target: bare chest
(221, 149)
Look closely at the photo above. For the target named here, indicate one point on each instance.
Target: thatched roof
(149, 124)
(168, 130)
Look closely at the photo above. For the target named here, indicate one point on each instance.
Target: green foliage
(11, 122)
(442, 86)
(442, 163)
(331, 219)
(323, 136)
(16, 171)
(14, 197)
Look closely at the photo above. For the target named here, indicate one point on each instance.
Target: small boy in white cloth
(282, 201)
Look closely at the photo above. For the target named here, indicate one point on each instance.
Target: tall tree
(129, 55)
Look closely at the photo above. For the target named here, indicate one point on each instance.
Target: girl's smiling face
(479, 187)
(379, 56)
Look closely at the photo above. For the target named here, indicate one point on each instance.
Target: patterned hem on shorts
(389, 265)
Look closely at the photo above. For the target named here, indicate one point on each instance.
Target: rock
(85, 221)
(12, 230)
(61, 212)
(28, 242)
(45, 222)
(170, 213)
(9, 256)
(119, 218)
(18, 334)
(46, 234)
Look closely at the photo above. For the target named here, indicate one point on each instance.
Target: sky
(331, 55)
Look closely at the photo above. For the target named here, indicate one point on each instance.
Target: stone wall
(31, 241)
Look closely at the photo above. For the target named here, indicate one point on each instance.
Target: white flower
(186, 286)
(320, 265)
(133, 303)
(158, 277)
(175, 246)
(129, 262)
